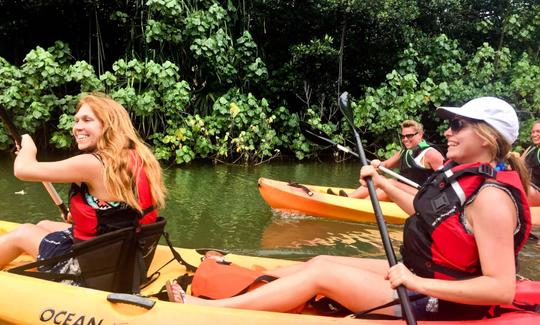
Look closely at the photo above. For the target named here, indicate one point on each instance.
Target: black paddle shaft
(387, 244)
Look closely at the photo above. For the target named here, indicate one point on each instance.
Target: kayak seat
(117, 261)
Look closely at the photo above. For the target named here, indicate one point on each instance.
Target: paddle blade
(345, 108)
(315, 135)
(319, 137)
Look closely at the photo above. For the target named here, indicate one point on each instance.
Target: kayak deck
(313, 200)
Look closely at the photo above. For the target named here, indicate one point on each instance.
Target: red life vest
(435, 241)
(89, 221)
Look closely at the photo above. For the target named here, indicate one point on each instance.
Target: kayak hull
(34, 301)
(284, 197)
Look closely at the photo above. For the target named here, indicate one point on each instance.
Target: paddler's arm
(397, 195)
(433, 159)
(80, 168)
(388, 163)
(493, 232)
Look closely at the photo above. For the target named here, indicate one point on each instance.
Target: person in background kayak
(116, 182)
(416, 161)
(459, 252)
(531, 157)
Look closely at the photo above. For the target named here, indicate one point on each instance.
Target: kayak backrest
(117, 261)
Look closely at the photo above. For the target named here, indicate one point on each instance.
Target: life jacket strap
(397, 301)
(147, 211)
(177, 255)
(484, 169)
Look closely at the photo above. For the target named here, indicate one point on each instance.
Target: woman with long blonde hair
(116, 182)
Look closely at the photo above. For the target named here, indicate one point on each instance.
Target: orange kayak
(314, 200)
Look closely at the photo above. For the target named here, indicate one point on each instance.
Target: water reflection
(298, 232)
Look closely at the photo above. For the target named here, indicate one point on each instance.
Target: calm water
(220, 206)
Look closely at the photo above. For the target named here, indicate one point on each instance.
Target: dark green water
(220, 207)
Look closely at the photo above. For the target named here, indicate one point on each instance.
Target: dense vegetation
(230, 80)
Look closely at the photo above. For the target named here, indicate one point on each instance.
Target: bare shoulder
(85, 162)
(434, 153)
(493, 203)
(434, 158)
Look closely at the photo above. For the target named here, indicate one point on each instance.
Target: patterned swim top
(96, 203)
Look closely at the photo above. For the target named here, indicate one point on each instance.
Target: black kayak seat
(117, 261)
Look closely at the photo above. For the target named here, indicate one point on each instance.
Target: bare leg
(356, 289)
(362, 193)
(53, 226)
(378, 266)
(359, 193)
(24, 239)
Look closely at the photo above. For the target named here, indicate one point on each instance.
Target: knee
(44, 224)
(316, 272)
(319, 259)
(319, 263)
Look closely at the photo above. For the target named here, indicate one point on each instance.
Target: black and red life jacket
(408, 166)
(435, 241)
(89, 222)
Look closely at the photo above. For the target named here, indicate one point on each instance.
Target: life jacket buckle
(487, 170)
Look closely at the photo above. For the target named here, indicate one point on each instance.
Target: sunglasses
(456, 125)
(409, 135)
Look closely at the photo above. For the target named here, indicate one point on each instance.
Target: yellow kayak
(28, 300)
(314, 200)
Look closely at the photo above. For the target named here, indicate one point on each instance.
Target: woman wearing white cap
(469, 221)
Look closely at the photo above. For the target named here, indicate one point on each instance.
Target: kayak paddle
(319, 137)
(48, 186)
(387, 244)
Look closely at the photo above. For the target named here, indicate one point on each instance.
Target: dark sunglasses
(456, 125)
(408, 136)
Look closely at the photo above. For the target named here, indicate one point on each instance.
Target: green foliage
(240, 128)
(36, 93)
(230, 80)
(450, 77)
(40, 92)
(217, 58)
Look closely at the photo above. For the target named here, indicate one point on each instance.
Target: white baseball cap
(494, 111)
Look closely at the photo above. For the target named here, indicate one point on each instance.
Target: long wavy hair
(500, 151)
(116, 146)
